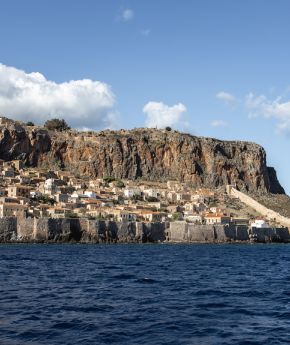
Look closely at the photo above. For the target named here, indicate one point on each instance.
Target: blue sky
(211, 68)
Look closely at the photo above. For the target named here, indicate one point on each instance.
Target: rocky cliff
(143, 153)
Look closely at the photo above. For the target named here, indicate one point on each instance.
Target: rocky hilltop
(142, 153)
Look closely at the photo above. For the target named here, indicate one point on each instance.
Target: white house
(183, 197)
(259, 223)
(130, 192)
(153, 193)
(50, 187)
(195, 218)
(91, 194)
(197, 198)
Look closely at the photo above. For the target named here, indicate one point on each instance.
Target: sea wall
(79, 230)
(187, 232)
(271, 234)
(8, 229)
(98, 231)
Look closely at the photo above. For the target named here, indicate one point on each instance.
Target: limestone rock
(144, 153)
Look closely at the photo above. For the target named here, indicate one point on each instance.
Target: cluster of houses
(28, 192)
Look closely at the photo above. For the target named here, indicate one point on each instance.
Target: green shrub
(177, 216)
(108, 179)
(120, 184)
(71, 214)
(56, 125)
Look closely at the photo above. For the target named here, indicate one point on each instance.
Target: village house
(156, 204)
(131, 192)
(122, 215)
(151, 216)
(92, 204)
(79, 195)
(259, 223)
(152, 193)
(216, 218)
(6, 199)
(59, 197)
(193, 217)
(39, 211)
(50, 187)
(19, 190)
(90, 194)
(64, 175)
(174, 208)
(182, 197)
(57, 212)
(76, 183)
(10, 209)
(37, 180)
(197, 198)
(171, 196)
(23, 200)
(240, 221)
(8, 172)
(162, 193)
(24, 179)
(11, 181)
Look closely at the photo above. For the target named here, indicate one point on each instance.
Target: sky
(209, 68)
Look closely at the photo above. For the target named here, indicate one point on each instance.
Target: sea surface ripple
(144, 294)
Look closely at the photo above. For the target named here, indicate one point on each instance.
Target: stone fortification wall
(263, 210)
(151, 232)
(271, 234)
(25, 228)
(79, 230)
(187, 232)
(8, 229)
(95, 231)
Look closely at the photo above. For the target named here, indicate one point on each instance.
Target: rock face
(18, 142)
(144, 153)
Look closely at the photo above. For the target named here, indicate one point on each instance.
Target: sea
(64, 294)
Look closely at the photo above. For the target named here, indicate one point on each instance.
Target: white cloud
(218, 123)
(127, 14)
(30, 96)
(226, 97)
(277, 109)
(161, 115)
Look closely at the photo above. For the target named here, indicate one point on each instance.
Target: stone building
(19, 190)
(12, 209)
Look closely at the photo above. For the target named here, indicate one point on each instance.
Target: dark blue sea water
(144, 294)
